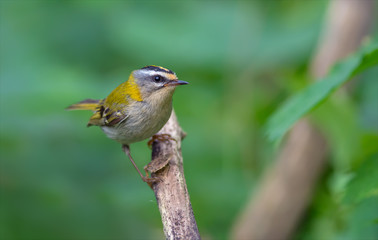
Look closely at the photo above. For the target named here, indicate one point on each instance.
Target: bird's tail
(87, 104)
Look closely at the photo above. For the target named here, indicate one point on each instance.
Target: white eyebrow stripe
(149, 72)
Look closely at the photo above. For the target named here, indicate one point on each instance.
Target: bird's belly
(140, 126)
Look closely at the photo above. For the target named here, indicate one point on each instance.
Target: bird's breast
(144, 119)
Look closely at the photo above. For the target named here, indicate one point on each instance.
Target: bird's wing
(113, 117)
(113, 109)
(108, 116)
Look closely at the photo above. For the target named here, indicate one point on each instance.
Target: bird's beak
(175, 83)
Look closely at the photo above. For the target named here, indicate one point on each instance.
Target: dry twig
(170, 188)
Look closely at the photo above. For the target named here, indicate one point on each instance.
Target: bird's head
(155, 80)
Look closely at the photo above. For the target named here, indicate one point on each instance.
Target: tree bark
(170, 188)
(286, 191)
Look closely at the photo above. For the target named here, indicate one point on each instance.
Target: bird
(136, 110)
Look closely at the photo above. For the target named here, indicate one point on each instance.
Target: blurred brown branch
(170, 190)
(286, 190)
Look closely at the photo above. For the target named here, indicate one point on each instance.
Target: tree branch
(170, 189)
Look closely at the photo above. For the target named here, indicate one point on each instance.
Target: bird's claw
(150, 180)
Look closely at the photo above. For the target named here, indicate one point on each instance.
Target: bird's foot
(149, 180)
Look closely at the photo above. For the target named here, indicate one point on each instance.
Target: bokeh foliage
(303, 102)
(61, 180)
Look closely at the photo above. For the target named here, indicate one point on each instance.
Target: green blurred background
(61, 180)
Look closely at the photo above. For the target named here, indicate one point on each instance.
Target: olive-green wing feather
(113, 109)
(106, 116)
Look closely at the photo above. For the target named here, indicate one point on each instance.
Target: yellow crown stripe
(164, 69)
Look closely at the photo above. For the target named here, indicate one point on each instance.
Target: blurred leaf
(306, 100)
(362, 198)
(341, 129)
(365, 183)
(361, 223)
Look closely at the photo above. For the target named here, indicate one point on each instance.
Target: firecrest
(136, 109)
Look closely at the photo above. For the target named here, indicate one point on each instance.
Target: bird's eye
(157, 79)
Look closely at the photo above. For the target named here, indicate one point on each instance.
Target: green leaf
(365, 183)
(360, 223)
(306, 100)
